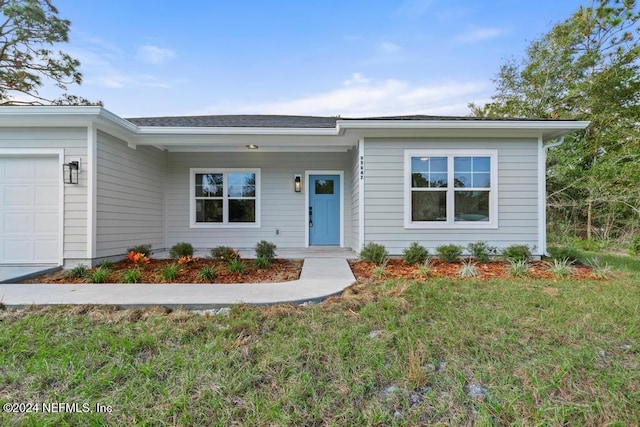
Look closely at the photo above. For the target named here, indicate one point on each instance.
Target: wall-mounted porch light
(70, 172)
(252, 146)
(297, 183)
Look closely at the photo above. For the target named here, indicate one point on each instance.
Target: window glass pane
(208, 185)
(462, 179)
(462, 164)
(428, 172)
(428, 205)
(481, 164)
(471, 206)
(242, 210)
(324, 186)
(241, 184)
(208, 210)
(482, 180)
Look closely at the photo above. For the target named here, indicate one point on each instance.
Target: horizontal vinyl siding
(281, 207)
(130, 193)
(517, 194)
(74, 143)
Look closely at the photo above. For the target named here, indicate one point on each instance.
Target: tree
(585, 68)
(28, 33)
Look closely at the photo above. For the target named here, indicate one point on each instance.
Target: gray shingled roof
(282, 121)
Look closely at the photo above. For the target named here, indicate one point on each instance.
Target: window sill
(448, 226)
(209, 225)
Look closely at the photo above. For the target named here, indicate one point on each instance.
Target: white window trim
(192, 198)
(450, 223)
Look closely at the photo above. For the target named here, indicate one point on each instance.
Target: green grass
(386, 353)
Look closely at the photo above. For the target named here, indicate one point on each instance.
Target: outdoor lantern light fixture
(252, 146)
(297, 183)
(70, 172)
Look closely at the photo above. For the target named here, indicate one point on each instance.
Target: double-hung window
(451, 189)
(225, 197)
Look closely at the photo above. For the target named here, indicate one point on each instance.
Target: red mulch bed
(280, 270)
(493, 270)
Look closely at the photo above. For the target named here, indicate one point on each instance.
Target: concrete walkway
(320, 278)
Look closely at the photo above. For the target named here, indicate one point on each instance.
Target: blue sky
(349, 58)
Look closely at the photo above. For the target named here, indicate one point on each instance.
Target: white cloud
(389, 47)
(360, 97)
(475, 35)
(154, 54)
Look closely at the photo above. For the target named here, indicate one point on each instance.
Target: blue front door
(324, 209)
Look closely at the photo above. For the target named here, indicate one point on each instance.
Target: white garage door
(29, 204)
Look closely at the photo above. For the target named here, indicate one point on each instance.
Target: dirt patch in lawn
(280, 270)
(396, 268)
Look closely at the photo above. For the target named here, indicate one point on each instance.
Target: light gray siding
(74, 143)
(281, 208)
(130, 196)
(517, 194)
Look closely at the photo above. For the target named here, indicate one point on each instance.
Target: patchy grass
(394, 352)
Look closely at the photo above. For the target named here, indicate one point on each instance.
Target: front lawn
(388, 352)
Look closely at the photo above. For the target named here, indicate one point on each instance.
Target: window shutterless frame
(446, 185)
(231, 197)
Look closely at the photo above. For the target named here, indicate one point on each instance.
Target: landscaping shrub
(265, 249)
(634, 247)
(374, 252)
(107, 264)
(449, 253)
(517, 253)
(262, 262)
(99, 275)
(518, 268)
(208, 273)
(181, 249)
(481, 251)
(559, 253)
(468, 269)
(141, 249)
(237, 265)
(132, 275)
(224, 253)
(77, 272)
(561, 267)
(170, 271)
(415, 254)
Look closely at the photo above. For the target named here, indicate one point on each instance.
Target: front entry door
(324, 209)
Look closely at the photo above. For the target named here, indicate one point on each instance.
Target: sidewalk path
(320, 278)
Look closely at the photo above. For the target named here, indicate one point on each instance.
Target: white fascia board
(463, 124)
(168, 130)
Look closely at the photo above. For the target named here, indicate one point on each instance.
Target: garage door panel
(29, 209)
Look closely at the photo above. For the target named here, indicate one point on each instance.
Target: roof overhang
(343, 137)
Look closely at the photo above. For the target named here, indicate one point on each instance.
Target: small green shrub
(181, 249)
(262, 262)
(561, 267)
(237, 266)
(170, 271)
(425, 267)
(99, 275)
(374, 252)
(481, 251)
(468, 269)
(415, 254)
(141, 249)
(601, 271)
(562, 252)
(265, 249)
(78, 272)
(208, 273)
(107, 264)
(449, 253)
(132, 275)
(634, 246)
(517, 253)
(518, 268)
(224, 253)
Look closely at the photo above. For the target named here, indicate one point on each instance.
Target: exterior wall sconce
(252, 146)
(297, 183)
(70, 172)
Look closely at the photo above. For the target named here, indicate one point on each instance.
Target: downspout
(543, 211)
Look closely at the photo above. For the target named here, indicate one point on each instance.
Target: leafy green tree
(585, 68)
(29, 29)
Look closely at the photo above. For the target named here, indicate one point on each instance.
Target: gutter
(545, 149)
